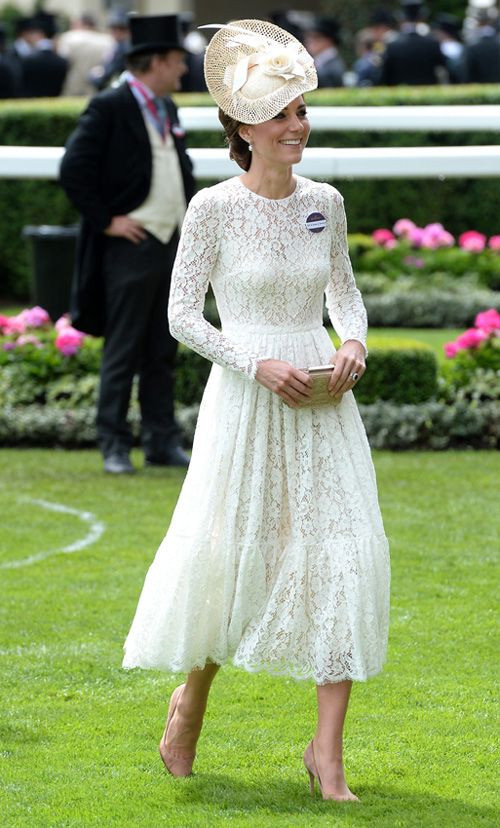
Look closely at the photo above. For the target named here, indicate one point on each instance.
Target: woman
(276, 555)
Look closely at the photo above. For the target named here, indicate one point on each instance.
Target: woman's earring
(250, 147)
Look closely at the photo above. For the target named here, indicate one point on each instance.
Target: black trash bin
(53, 258)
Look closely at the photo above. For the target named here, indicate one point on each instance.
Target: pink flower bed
(431, 237)
(19, 331)
(486, 327)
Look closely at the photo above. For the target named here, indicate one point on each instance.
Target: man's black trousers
(137, 342)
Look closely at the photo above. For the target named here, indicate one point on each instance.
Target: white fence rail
(411, 118)
(325, 163)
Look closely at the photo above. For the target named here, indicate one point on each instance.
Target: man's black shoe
(174, 456)
(118, 463)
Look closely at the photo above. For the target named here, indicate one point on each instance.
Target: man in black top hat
(481, 57)
(414, 57)
(446, 29)
(127, 171)
(322, 40)
(43, 70)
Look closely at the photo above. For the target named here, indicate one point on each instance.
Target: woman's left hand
(349, 367)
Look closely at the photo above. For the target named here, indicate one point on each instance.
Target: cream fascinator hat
(253, 69)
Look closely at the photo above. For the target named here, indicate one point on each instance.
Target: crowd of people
(403, 48)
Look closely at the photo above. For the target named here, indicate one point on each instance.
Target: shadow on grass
(389, 806)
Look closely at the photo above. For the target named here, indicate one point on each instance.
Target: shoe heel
(311, 782)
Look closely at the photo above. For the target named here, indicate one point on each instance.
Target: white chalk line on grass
(96, 529)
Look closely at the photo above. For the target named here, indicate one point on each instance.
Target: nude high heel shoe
(312, 769)
(177, 762)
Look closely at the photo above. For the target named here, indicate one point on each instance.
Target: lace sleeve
(343, 299)
(196, 257)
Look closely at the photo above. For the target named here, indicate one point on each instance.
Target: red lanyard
(164, 126)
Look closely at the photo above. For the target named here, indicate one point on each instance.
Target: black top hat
(155, 33)
(382, 17)
(45, 22)
(448, 23)
(326, 26)
(413, 10)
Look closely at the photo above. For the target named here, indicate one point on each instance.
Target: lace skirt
(276, 555)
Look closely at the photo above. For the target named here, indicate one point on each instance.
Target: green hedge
(428, 425)
(460, 204)
(433, 309)
(41, 375)
(406, 375)
(423, 267)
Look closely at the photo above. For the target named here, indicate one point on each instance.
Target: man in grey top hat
(127, 171)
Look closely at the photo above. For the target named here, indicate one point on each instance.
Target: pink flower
(15, 325)
(488, 321)
(28, 339)
(471, 339)
(382, 236)
(447, 240)
(390, 244)
(472, 241)
(62, 322)
(35, 317)
(403, 227)
(3, 323)
(9, 346)
(69, 341)
(415, 236)
(494, 243)
(434, 236)
(450, 349)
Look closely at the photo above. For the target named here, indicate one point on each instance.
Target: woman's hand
(289, 383)
(349, 361)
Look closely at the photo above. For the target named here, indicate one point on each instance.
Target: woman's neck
(270, 182)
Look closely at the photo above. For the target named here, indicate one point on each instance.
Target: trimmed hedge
(460, 204)
(434, 309)
(402, 375)
(429, 425)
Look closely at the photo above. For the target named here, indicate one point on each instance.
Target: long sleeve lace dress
(276, 555)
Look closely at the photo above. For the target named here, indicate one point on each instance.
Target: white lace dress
(276, 555)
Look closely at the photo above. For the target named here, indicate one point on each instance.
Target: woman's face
(281, 140)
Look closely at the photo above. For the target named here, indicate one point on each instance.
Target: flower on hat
(275, 61)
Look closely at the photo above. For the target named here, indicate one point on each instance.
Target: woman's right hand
(289, 383)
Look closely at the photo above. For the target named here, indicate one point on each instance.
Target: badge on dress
(316, 222)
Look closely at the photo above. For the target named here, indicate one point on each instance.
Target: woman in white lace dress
(276, 556)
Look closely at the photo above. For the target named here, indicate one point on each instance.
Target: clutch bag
(320, 375)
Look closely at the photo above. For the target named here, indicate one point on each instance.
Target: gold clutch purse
(320, 375)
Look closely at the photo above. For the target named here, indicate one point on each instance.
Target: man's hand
(126, 228)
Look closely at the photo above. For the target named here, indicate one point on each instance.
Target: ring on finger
(354, 376)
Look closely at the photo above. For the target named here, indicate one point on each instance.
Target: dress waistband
(269, 330)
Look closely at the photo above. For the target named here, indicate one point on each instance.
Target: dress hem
(261, 669)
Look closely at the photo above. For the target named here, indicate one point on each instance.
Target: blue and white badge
(316, 222)
(178, 131)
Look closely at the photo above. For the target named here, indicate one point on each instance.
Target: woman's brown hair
(239, 150)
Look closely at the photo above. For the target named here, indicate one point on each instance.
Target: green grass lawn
(78, 736)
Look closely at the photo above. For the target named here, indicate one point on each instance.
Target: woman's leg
(187, 721)
(328, 740)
